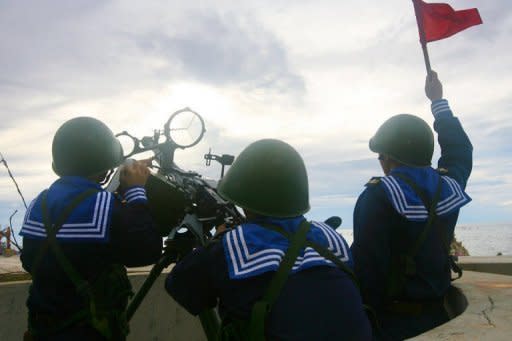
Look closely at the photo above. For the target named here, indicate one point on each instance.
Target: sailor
(276, 276)
(78, 238)
(404, 222)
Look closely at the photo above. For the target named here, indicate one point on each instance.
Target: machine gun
(185, 206)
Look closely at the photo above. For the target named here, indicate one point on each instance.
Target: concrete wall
(159, 317)
(501, 265)
(488, 315)
(13, 313)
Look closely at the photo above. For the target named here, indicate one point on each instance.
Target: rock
(457, 249)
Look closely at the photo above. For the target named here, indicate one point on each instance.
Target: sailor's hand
(433, 87)
(135, 173)
(147, 162)
(220, 230)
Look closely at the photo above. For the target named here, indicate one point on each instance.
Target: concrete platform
(488, 315)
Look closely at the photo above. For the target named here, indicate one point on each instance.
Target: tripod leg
(211, 324)
(166, 259)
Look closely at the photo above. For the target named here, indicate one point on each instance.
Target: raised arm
(135, 239)
(456, 149)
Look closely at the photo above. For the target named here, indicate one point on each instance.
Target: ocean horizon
(478, 239)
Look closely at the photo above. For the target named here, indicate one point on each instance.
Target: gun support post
(224, 160)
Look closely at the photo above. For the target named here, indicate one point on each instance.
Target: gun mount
(185, 206)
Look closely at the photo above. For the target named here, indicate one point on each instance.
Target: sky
(320, 75)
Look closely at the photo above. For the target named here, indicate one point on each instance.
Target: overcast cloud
(321, 75)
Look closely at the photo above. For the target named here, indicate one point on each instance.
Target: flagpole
(426, 57)
(423, 41)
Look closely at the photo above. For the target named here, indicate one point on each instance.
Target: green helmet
(85, 146)
(405, 138)
(269, 178)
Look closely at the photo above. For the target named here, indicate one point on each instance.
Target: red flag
(439, 21)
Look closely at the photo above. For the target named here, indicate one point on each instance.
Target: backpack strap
(322, 251)
(256, 326)
(430, 206)
(328, 254)
(406, 265)
(59, 222)
(262, 307)
(51, 233)
(81, 285)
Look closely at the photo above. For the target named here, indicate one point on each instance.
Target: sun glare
(207, 101)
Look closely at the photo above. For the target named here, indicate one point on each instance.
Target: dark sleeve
(190, 282)
(371, 246)
(456, 148)
(134, 238)
(26, 261)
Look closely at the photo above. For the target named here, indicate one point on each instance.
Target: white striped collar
(409, 205)
(89, 221)
(251, 250)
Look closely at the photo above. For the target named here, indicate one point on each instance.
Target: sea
(479, 240)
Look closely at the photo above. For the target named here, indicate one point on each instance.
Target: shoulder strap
(322, 251)
(81, 285)
(430, 207)
(406, 265)
(442, 235)
(263, 307)
(59, 221)
(51, 233)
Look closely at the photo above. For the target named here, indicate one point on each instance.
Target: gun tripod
(173, 251)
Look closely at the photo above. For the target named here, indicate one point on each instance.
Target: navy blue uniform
(101, 231)
(318, 302)
(389, 217)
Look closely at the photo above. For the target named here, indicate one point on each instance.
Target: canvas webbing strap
(407, 264)
(431, 212)
(442, 234)
(263, 307)
(81, 285)
(322, 251)
(328, 254)
(60, 221)
(51, 233)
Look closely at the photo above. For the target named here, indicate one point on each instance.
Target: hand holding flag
(433, 87)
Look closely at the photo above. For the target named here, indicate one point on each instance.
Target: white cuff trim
(135, 194)
(439, 106)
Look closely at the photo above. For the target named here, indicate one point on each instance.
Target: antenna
(15, 242)
(13, 180)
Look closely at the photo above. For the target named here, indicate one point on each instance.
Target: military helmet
(268, 178)
(405, 138)
(85, 146)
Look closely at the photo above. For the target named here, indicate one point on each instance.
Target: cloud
(224, 49)
(321, 75)
(98, 50)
